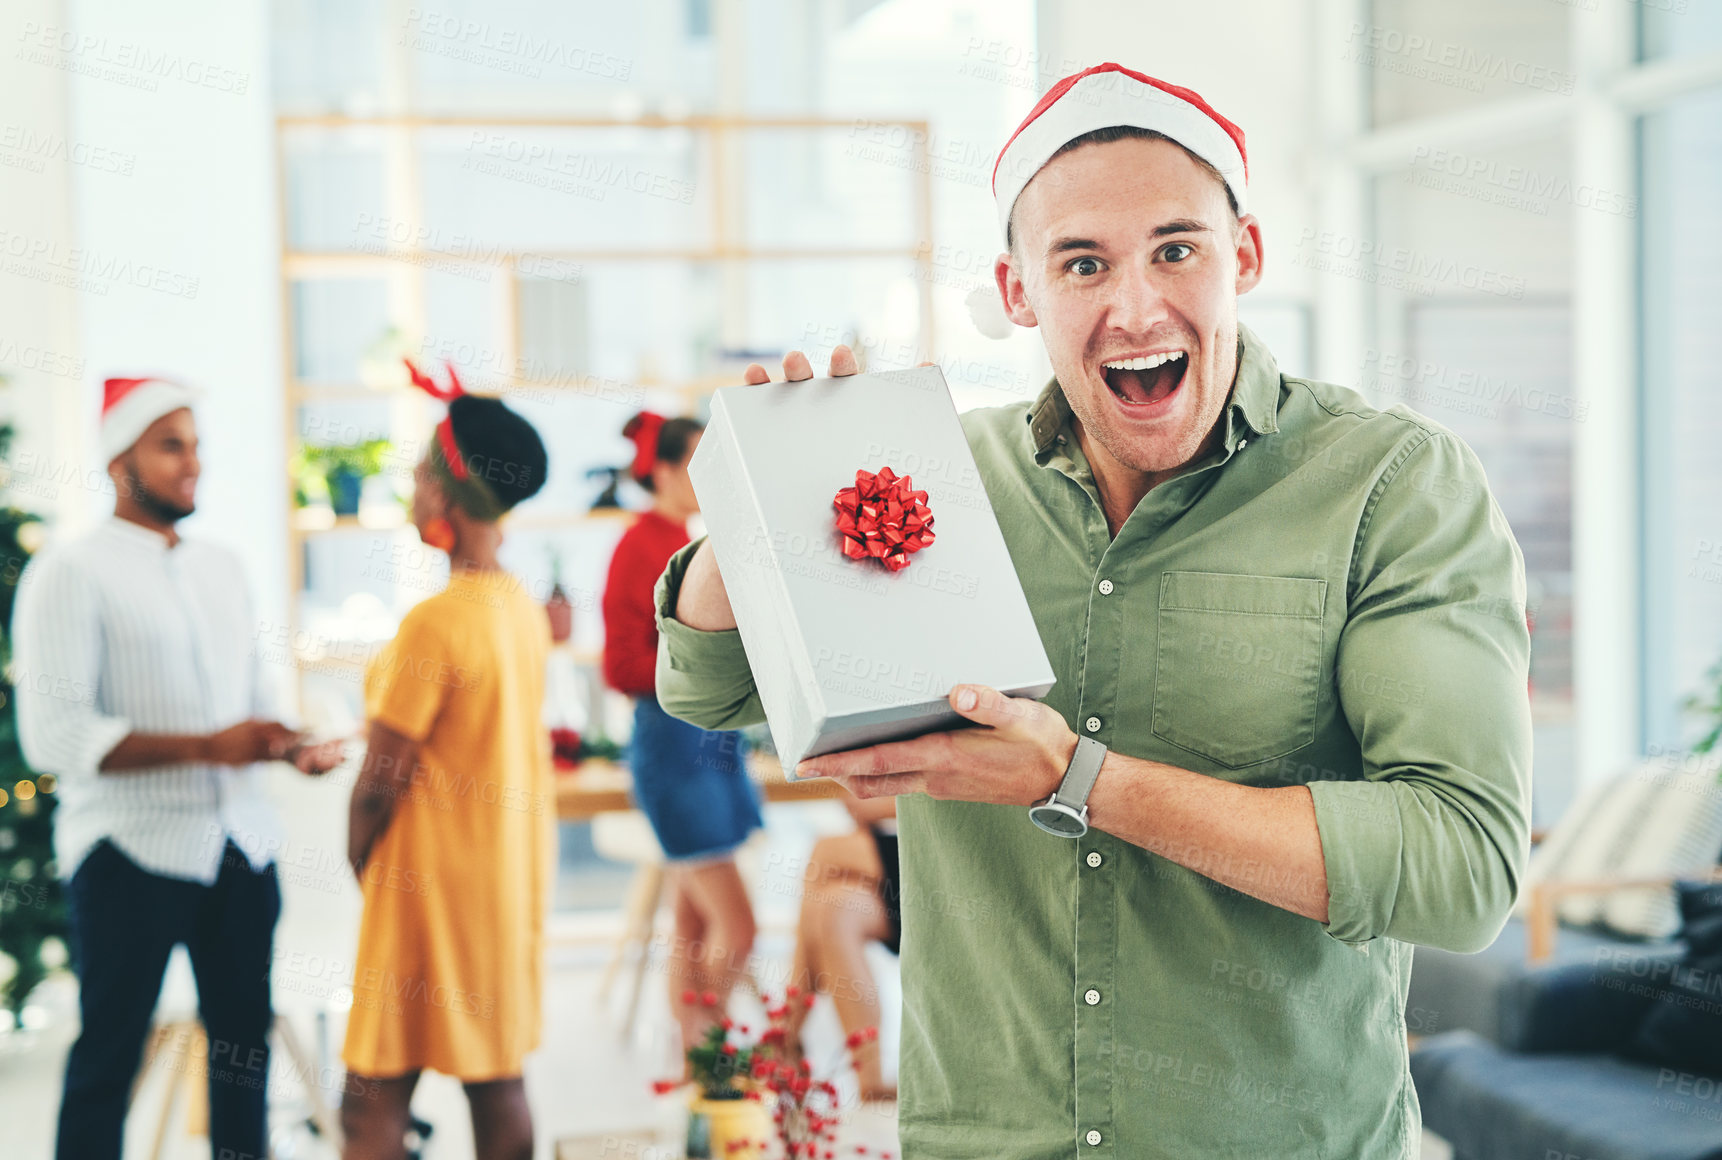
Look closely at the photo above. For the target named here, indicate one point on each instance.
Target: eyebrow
(1179, 226)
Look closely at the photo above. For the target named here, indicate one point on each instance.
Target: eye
(1085, 267)
(1177, 251)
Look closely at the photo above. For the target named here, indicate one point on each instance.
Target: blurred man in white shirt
(137, 687)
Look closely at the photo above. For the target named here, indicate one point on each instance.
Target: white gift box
(846, 652)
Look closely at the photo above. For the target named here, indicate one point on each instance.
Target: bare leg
(713, 962)
(833, 864)
(375, 1115)
(690, 931)
(501, 1119)
(840, 914)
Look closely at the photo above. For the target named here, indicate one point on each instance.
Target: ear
(1249, 253)
(428, 486)
(1012, 292)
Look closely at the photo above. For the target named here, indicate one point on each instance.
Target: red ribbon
(445, 429)
(881, 518)
(643, 430)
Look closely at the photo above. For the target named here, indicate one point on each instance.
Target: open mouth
(1147, 379)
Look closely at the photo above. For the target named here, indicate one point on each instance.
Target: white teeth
(1146, 363)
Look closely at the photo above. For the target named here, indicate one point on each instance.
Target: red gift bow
(882, 519)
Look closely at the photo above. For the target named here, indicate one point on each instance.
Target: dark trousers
(124, 923)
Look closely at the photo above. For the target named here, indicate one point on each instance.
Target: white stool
(627, 837)
(181, 1047)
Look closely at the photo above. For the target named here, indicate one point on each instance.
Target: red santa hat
(129, 406)
(1109, 95)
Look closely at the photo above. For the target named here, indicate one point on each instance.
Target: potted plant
(342, 468)
(750, 1094)
(1707, 707)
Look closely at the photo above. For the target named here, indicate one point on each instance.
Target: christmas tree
(32, 910)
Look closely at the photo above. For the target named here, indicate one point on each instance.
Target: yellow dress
(449, 971)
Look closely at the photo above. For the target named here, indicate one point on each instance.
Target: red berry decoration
(882, 519)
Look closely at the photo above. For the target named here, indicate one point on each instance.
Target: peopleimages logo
(1427, 380)
(587, 175)
(123, 61)
(1447, 62)
(1514, 186)
(509, 49)
(87, 270)
(1400, 266)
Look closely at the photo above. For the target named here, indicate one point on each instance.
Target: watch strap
(1080, 775)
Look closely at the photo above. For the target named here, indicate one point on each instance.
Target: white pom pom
(988, 312)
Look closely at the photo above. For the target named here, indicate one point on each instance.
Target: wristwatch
(1065, 813)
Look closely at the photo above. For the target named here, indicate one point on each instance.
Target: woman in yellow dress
(451, 822)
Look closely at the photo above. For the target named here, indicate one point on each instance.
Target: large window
(1682, 417)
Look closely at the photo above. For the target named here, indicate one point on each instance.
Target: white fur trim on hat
(1108, 95)
(127, 417)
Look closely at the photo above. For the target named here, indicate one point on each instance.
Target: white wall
(1248, 59)
(170, 238)
(39, 351)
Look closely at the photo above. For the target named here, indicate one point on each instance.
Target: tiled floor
(588, 1081)
(587, 1084)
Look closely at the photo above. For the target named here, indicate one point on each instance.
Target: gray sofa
(1487, 992)
(1529, 1069)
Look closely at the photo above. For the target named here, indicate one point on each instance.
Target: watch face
(1059, 819)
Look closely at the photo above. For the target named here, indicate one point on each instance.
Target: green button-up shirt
(1332, 599)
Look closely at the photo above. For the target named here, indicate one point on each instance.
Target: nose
(1136, 305)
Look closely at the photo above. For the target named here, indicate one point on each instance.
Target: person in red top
(691, 783)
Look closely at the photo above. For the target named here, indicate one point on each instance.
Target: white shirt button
(1092, 724)
(1243, 443)
(1091, 997)
(1106, 588)
(1094, 859)
(1093, 1138)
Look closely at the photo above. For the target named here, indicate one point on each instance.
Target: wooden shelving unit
(407, 269)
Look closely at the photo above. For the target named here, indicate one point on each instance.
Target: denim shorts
(692, 784)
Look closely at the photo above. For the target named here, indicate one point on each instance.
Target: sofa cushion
(1581, 1008)
(1492, 1104)
(1481, 993)
(1662, 817)
(1683, 1027)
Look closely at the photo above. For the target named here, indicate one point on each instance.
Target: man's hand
(316, 760)
(249, 742)
(702, 602)
(1016, 755)
(796, 367)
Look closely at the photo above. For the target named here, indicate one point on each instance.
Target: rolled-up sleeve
(702, 677)
(1430, 846)
(56, 663)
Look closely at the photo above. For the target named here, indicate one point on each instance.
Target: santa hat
(1109, 95)
(1103, 97)
(129, 406)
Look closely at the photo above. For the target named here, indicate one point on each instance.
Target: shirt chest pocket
(1237, 672)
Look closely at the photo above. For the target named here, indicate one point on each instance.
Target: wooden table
(598, 787)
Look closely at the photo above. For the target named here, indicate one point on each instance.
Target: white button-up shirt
(116, 633)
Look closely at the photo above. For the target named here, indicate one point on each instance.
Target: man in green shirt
(1295, 623)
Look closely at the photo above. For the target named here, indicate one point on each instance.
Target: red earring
(438, 533)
